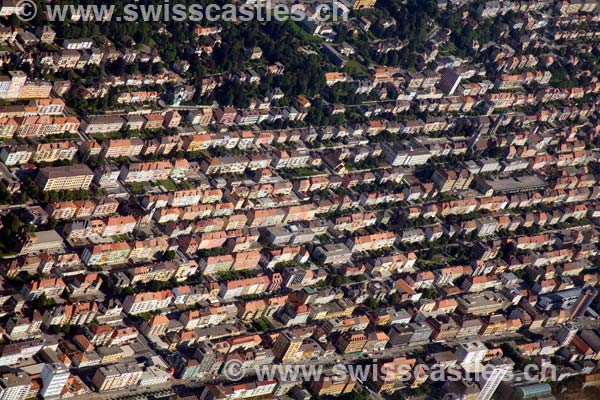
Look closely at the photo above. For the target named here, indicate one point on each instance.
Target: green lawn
(168, 184)
(137, 187)
(354, 68)
(299, 31)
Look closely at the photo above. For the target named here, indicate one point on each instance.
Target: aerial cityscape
(316, 199)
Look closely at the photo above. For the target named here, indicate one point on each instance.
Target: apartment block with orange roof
(106, 254)
(55, 106)
(247, 260)
(147, 302)
(305, 212)
(77, 314)
(114, 148)
(99, 335)
(394, 375)
(392, 263)
(243, 287)
(40, 126)
(156, 325)
(54, 151)
(351, 342)
(8, 127)
(146, 171)
(211, 240)
(372, 242)
(122, 225)
(248, 390)
(61, 210)
(215, 264)
(182, 198)
(85, 208)
(264, 218)
(50, 287)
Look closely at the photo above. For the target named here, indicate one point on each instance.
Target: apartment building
(12, 85)
(137, 97)
(242, 287)
(42, 241)
(448, 180)
(114, 148)
(287, 346)
(118, 376)
(8, 127)
(225, 165)
(15, 154)
(78, 44)
(35, 89)
(62, 210)
(54, 151)
(256, 389)
(191, 143)
(305, 212)
(264, 218)
(154, 272)
(105, 206)
(201, 117)
(71, 314)
(102, 124)
(181, 166)
(121, 225)
(67, 59)
(354, 222)
(146, 171)
(54, 377)
(50, 287)
(106, 254)
(78, 209)
(225, 115)
(54, 106)
(351, 342)
(147, 302)
(155, 326)
(332, 386)
(393, 263)
(372, 242)
(407, 156)
(337, 253)
(14, 386)
(43, 125)
(215, 264)
(153, 121)
(184, 198)
(146, 249)
(72, 177)
(172, 119)
(290, 159)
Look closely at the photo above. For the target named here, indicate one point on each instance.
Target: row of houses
(151, 121)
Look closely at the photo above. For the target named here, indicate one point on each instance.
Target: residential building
(73, 177)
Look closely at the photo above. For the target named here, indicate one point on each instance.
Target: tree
(11, 227)
(43, 302)
(5, 196)
(30, 187)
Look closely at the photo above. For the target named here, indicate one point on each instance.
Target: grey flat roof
(521, 183)
(68, 170)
